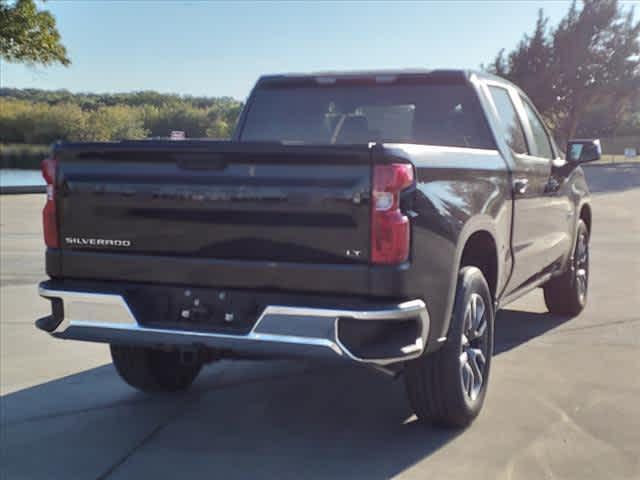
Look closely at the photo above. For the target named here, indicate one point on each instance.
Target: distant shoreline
(20, 180)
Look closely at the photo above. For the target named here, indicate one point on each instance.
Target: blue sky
(219, 48)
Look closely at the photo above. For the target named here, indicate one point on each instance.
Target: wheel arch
(480, 250)
(477, 246)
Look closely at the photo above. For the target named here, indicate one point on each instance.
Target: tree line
(41, 117)
(584, 73)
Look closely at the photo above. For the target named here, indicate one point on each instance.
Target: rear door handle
(520, 185)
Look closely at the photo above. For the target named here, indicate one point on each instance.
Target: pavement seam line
(177, 413)
(594, 325)
(181, 410)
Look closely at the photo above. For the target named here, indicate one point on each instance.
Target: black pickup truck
(378, 217)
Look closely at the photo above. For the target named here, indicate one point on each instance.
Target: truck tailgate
(216, 200)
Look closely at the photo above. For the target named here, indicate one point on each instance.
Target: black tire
(435, 383)
(153, 370)
(567, 294)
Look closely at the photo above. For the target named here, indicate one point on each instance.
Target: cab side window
(540, 137)
(513, 132)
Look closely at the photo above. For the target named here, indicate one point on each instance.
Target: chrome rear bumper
(279, 330)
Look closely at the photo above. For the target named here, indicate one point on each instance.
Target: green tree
(44, 124)
(588, 64)
(29, 35)
(113, 123)
(530, 64)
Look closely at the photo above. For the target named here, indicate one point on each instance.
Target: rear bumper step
(379, 336)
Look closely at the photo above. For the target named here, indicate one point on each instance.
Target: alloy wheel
(581, 265)
(474, 345)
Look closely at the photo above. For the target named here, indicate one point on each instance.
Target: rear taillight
(49, 221)
(389, 226)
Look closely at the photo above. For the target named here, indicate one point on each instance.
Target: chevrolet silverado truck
(379, 218)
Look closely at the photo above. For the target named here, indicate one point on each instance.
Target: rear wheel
(567, 294)
(448, 387)
(153, 370)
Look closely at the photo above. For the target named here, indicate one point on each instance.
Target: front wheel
(567, 294)
(448, 387)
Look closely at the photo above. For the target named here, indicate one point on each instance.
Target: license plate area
(194, 309)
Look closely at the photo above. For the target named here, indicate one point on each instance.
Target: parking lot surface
(563, 400)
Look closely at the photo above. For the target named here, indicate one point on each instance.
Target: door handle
(520, 185)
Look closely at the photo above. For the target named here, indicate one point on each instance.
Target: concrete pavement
(562, 403)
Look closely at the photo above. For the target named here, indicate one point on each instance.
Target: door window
(540, 137)
(513, 132)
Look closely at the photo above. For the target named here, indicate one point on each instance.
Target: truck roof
(452, 74)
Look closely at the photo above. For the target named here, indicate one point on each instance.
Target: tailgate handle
(201, 161)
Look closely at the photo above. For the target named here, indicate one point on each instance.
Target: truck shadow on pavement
(241, 420)
(515, 327)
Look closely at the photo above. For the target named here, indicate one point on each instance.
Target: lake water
(20, 178)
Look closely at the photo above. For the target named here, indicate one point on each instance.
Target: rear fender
(459, 191)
